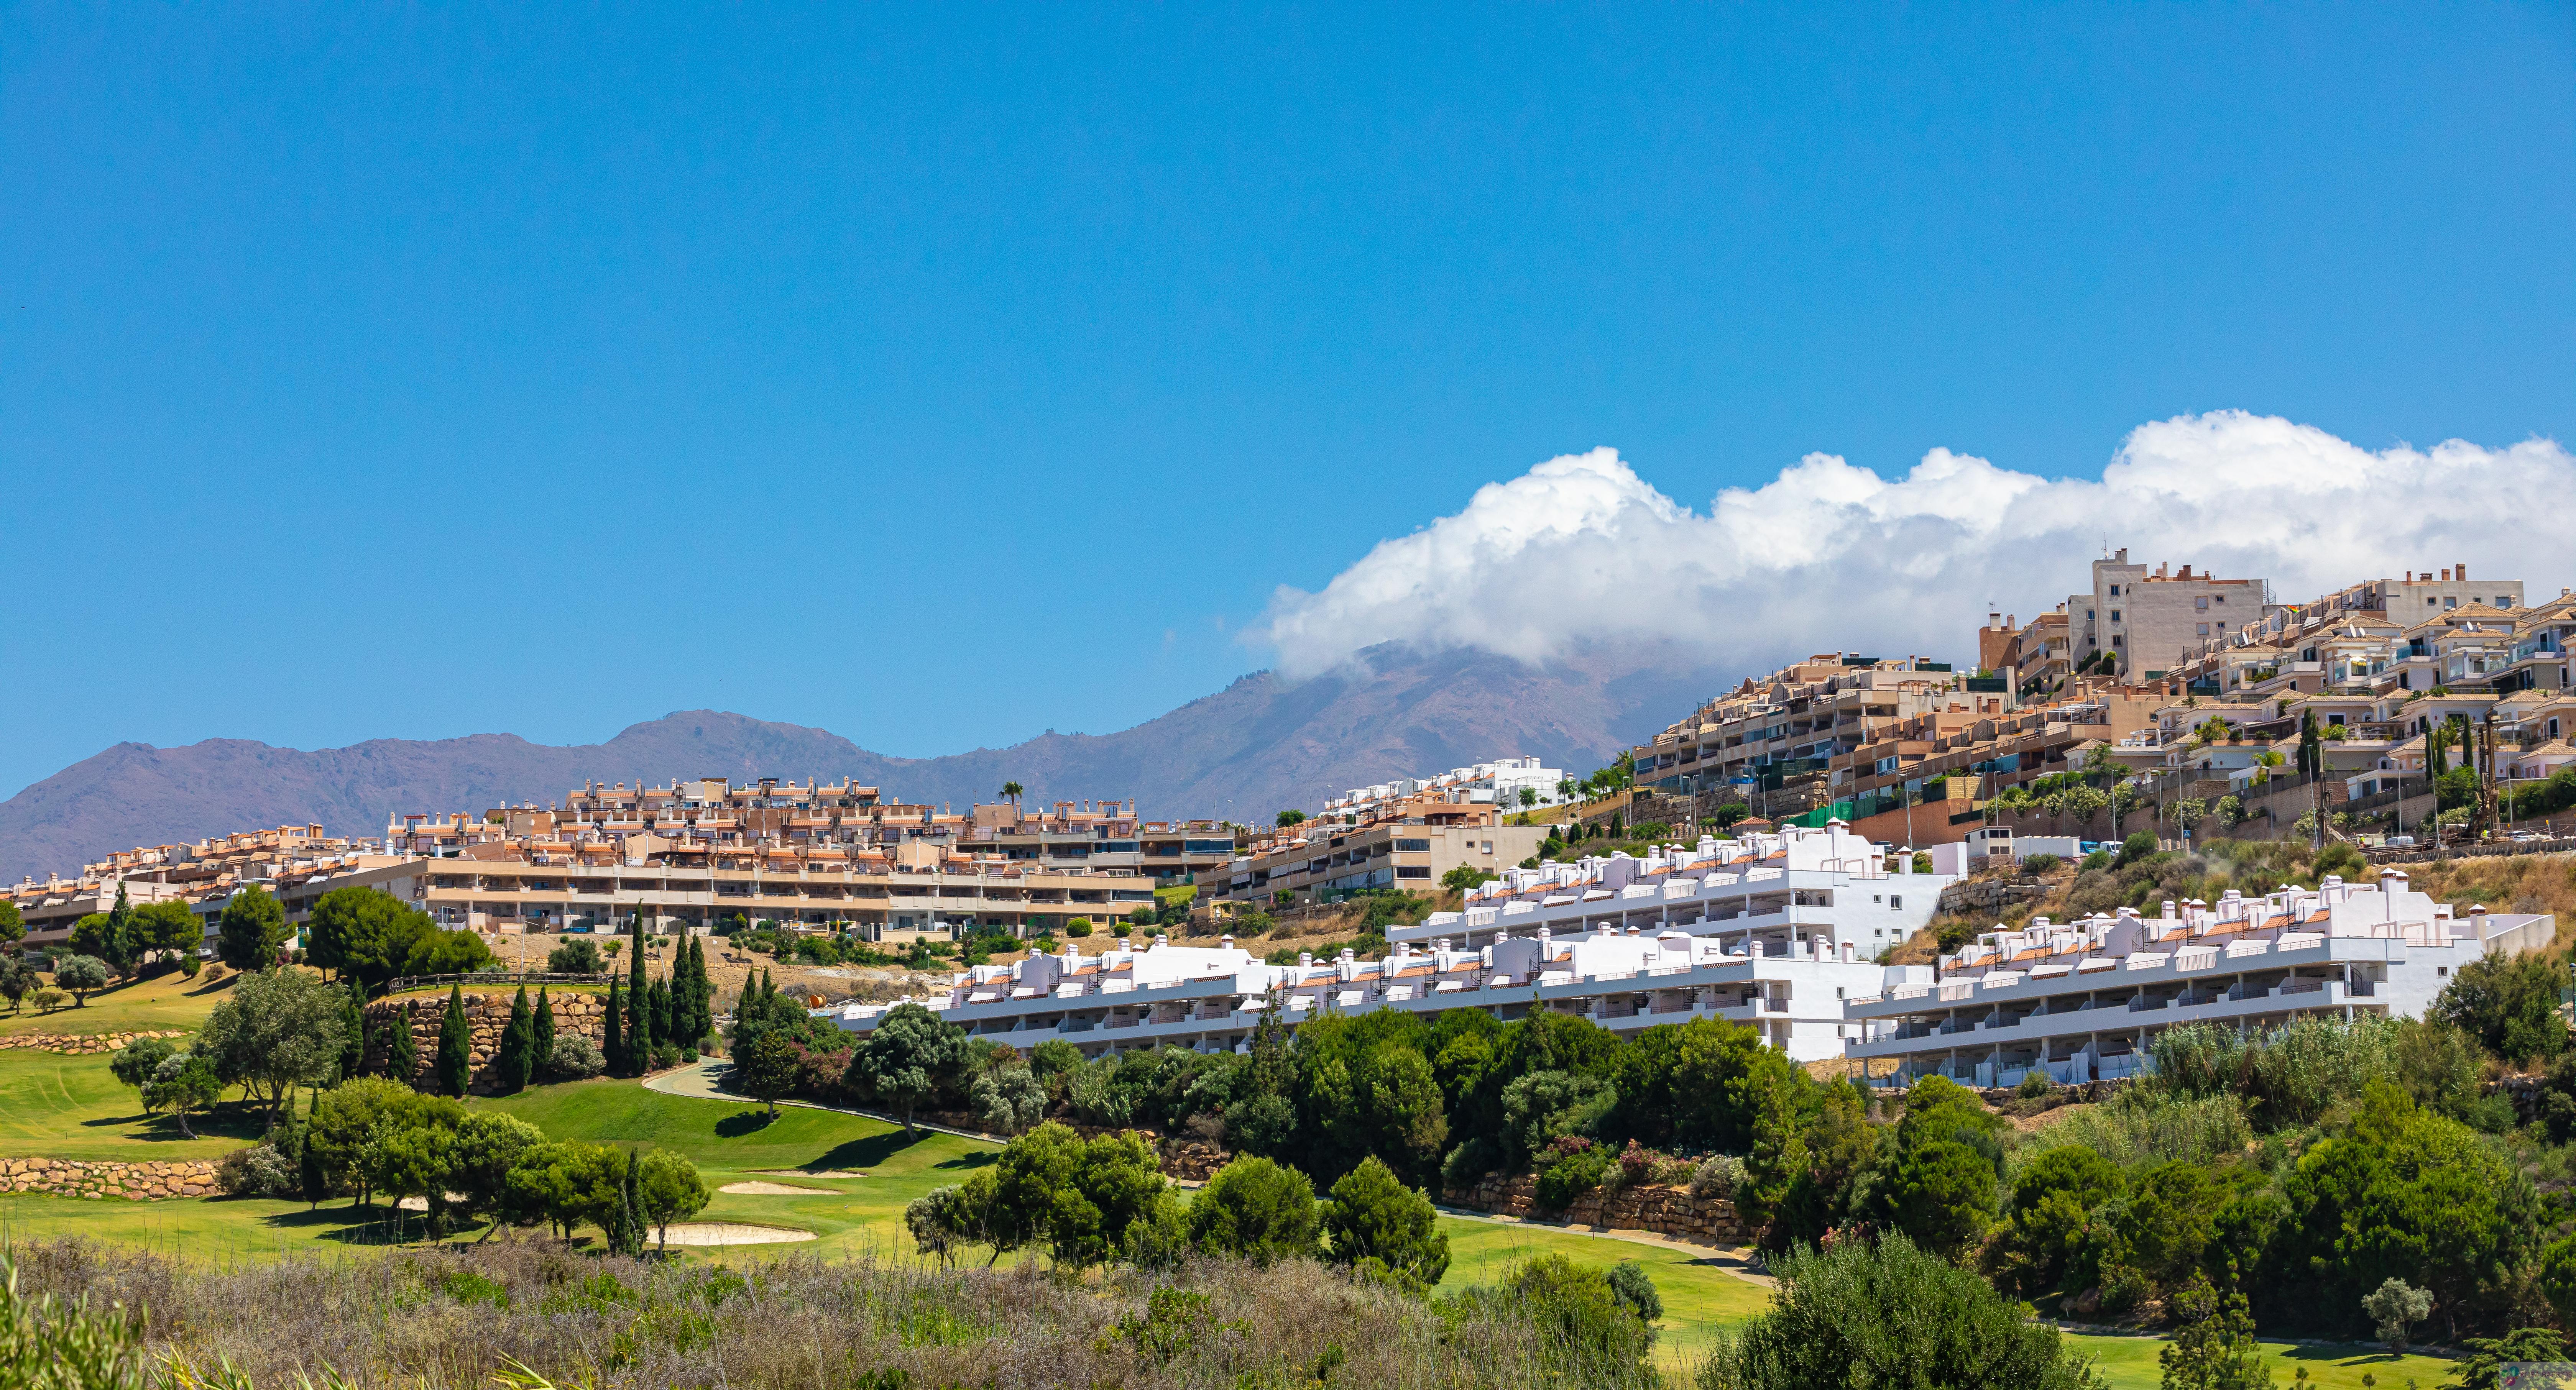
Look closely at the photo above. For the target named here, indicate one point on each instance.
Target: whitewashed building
(1775, 932)
(2083, 1000)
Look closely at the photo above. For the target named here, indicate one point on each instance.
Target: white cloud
(1581, 551)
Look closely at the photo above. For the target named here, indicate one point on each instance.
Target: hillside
(1257, 745)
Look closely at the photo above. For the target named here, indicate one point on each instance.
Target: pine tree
(353, 1026)
(613, 1047)
(455, 1045)
(309, 1179)
(542, 1047)
(402, 1052)
(512, 1061)
(639, 1005)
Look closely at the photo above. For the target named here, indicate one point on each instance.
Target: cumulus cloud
(1580, 551)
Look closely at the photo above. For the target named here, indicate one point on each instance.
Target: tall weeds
(532, 1313)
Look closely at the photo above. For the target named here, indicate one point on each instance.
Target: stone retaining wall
(486, 1014)
(82, 1044)
(135, 1182)
(1667, 1211)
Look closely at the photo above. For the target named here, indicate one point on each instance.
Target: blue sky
(939, 378)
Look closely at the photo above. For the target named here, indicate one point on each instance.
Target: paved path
(1735, 1260)
(705, 1081)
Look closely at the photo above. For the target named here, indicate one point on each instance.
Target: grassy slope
(165, 1001)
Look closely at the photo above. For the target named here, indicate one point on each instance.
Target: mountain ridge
(1261, 743)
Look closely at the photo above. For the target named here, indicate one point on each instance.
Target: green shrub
(1910, 1318)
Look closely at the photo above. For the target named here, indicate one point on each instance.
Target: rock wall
(1667, 1211)
(486, 1014)
(78, 1044)
(135, 1182)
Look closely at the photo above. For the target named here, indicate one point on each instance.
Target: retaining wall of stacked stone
(81, 1044)
(135, 1182)
(1666, 1211)
(486, 1014)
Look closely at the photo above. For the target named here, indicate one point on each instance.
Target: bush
(1078, 927)
(256, 1171)
(577, 956)
(2040, 863)
(1372, 1216)
(1257, 1210)
(575, 1058)
(1717, 1177)
(1910, 1317)
(1567, 1169)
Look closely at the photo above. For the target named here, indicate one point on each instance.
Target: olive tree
(280, 1029)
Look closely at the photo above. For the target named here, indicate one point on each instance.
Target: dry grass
(456, 1317)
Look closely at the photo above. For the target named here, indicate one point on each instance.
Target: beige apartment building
(2153, 621)
(1801, 717)
(1099, 835)
(1409, 846)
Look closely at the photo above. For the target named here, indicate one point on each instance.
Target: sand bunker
(775, 1189)
(808, 1173)
(729, 1233)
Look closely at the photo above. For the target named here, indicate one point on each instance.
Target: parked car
(2399, 842)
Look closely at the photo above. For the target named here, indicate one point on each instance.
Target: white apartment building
(2084, 1000)
(1775, 932)
(1499, 783)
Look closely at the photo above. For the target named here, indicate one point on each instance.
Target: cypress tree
(634, 1207)
(683, 992)
(121, 951)
(542, 1042)
(309, 1180)
(402, 1052)
(614, 1046)
(663, 1021)
(702, 994)
(455, 1045)
(639, 1004)
(512, 1061)
(353, 1024)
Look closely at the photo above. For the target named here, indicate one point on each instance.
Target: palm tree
(2267, 760)
(1011, 792)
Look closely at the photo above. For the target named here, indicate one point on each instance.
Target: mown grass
(168, 1000)
(61, 1106)
(2129, 1363)
(1699, 1296)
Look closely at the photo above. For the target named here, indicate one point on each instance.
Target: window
(2115, 615)
(1413, 871)
(2115, 591)
(2115, 639)
(1896, 901)
(2203, 629)
(1413, 846)
(2201, 603)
